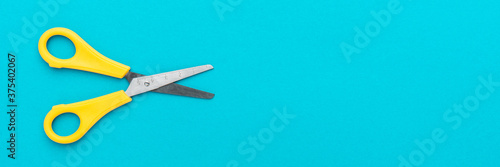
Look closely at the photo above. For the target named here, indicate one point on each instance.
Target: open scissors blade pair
(90, 111)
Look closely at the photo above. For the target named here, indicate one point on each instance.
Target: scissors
(90, 111)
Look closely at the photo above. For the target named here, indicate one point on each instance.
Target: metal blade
(174, 88)
(147, 83)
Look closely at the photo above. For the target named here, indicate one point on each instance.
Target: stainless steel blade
(147, 83)
(174, 88)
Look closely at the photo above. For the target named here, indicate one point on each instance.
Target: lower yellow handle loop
(86, 58)
(89, 112)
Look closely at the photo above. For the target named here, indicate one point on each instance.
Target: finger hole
(66, 124)
(61, 47)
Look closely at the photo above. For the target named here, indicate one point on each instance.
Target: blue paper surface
(297, 83)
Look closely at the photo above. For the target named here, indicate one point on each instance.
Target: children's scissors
(90, 111)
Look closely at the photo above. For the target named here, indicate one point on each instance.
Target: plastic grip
(89, 112)
(86, 58)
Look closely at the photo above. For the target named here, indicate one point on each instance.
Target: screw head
(146, 83)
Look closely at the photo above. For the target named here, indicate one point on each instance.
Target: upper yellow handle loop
(86, 58)
(89, 112)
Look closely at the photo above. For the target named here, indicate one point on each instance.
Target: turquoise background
(268, 56)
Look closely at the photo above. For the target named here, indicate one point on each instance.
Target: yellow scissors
(88, 59)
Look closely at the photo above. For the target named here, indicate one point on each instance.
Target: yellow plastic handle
(89, 112)
(86, 58)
